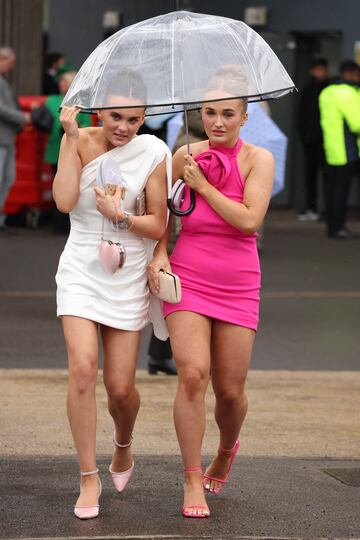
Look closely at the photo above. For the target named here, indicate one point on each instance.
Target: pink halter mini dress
(218, 265)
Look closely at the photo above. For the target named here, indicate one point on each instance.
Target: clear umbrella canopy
(178, 59)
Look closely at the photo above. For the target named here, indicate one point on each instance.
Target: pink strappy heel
(188, 510)
(121, 479)
(88, 512)
(233, 451)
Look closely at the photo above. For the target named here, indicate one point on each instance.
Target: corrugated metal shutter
(21, 27)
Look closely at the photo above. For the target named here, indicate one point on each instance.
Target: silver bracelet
(125, 223)
(127, 219)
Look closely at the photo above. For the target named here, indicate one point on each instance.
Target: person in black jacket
(50, 84)
(311, 135)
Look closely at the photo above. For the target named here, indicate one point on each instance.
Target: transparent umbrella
(176, 55)
(169, 62)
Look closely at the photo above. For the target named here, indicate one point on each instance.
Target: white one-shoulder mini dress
(84, 288)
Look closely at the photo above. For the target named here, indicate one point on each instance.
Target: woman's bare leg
(120, 355)
(81, 340)
(231, 354)
(190, 335)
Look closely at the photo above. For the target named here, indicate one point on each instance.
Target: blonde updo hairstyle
(231, 80)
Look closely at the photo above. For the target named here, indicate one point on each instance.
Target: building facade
(297, 31)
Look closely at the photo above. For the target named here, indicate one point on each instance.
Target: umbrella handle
(180, 213)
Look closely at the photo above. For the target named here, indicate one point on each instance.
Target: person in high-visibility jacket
(340, 122)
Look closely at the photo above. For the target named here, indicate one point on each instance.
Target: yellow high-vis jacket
(339, 105)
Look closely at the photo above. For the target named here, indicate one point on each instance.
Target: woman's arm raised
(66, 186)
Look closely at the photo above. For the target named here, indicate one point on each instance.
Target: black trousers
(314, 160)
(60, 221)
(337, 183)
(158, 349)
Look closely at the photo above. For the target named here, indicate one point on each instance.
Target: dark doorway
(296, 50)
(310, 45)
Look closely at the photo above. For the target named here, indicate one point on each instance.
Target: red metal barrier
(31, 190)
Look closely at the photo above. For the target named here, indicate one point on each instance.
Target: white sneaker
(308, 215)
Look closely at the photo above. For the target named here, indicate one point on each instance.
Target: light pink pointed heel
(232, 452)
(188, 510)
(121, 479)
(88, 512)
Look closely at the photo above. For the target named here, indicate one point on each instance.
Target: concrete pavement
(293, 414)
(304, 393)
(309, 310)
(266, 498)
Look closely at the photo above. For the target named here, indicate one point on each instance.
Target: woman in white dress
(89, 299)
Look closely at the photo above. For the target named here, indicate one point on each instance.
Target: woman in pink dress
(212, 329)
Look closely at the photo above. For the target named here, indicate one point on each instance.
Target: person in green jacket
(53, 104)
(60, 222)
(340, 122)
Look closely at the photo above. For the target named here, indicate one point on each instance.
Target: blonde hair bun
(231, 79)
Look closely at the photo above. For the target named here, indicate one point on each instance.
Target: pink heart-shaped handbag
(112, 255)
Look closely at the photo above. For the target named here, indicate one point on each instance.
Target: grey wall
(75, 26)
(298, 15)
(21, 28)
